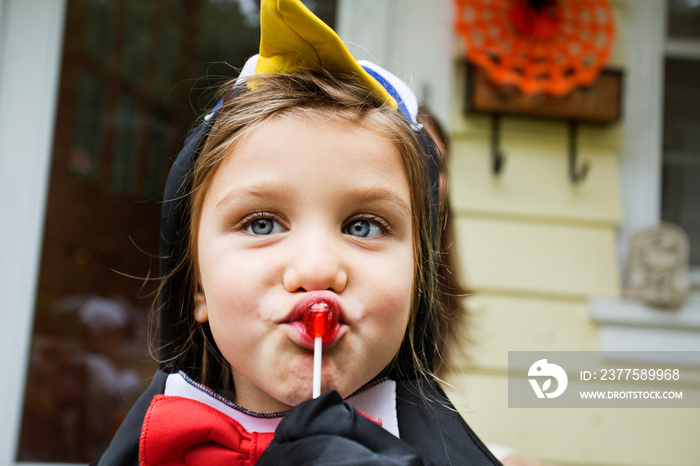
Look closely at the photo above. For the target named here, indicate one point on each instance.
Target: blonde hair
(245, 107)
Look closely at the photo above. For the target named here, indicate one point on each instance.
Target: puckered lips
(295, 319)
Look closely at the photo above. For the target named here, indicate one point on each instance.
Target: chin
(302, 391)
(295, 393)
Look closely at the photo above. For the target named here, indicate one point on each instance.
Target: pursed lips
(295, 317)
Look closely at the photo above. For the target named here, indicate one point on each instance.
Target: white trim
(31, 33)
(694, 273)
(640, 162)
(635, 314)
(413, 39)
(683, 48)
(377, 402)
(177, 386)
(665, 346)
(2, 25)
(362, 26)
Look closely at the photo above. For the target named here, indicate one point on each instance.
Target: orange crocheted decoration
(538, 46)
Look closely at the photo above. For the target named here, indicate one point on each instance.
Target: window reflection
(683, 19)
(681, 156)
(135, 75)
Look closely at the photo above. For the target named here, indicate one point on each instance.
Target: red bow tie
(179, 431)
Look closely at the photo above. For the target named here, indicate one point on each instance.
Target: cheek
(394, 299)
(395, 306)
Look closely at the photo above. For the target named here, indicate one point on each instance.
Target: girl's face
(305, 208)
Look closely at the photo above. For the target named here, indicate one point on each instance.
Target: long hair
(452, 315)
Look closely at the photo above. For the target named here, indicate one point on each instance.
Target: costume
(426, 422)
(394, 419)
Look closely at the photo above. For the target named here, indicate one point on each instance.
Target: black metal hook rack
(577, 170)
(598, 104)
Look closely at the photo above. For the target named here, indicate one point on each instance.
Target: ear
(200, 308)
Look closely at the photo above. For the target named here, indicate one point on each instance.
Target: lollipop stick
(317, 367)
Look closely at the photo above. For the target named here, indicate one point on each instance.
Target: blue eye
(264, 226)
(363, 229)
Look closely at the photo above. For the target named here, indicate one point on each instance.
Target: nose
(315, 264)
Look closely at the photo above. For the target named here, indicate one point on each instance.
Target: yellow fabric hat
(294, 39)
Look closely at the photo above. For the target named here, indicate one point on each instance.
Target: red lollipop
(321, 320)
(320, 323)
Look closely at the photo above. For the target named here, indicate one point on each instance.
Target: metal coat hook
(497, 157)
(576, 173)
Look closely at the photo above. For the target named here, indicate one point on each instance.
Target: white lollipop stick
(320, 321)
(318, 353)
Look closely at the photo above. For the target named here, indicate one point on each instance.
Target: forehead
(313, 154)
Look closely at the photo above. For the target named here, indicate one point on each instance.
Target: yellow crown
(293, 39)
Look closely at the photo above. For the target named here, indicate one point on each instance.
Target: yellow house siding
(639, 437)
(499, 324)
(534, 248)
(534, 181)
(512, 256)
(608, 135)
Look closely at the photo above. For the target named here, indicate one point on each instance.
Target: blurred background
(97, 95)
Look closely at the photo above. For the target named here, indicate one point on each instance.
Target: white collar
(378, 402)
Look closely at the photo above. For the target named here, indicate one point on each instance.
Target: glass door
(135, 76)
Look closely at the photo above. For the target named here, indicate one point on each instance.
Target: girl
(310, 183)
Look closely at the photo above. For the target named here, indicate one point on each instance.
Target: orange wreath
(538, 46)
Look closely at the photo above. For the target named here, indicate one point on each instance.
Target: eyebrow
(368, 195)
(277, 192)
(263, 191)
